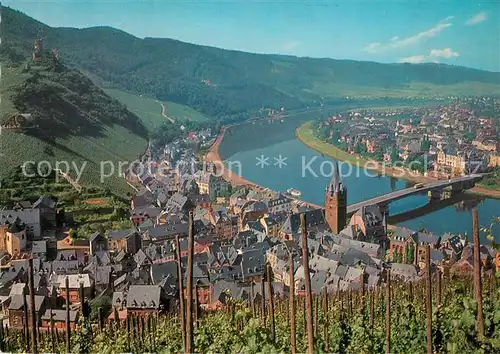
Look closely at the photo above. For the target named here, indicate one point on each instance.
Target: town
(237, 232)
(442, 141)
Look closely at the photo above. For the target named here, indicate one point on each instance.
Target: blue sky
(460, 32)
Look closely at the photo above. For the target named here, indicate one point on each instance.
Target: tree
(410, 253)
(394, 155)
(104, 303)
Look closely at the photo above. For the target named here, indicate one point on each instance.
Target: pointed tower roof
(335, 184)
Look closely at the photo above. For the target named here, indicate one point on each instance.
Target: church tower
(336, 202)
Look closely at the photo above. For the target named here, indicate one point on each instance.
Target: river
(286, 162)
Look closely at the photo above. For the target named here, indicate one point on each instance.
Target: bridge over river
(456, 184)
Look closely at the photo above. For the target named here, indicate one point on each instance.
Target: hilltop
(231, 84)
(50, 112)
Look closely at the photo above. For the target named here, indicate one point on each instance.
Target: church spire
(335, 184)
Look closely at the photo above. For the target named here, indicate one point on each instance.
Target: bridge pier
(436, 194)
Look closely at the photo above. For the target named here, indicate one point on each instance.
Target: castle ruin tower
(336, 202)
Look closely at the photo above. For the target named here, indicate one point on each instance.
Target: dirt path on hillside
(163, 112)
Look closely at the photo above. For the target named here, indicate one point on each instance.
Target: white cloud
(445, 53)
(433, 56)
(290, 45)
(413, 59)
(397, 42)
(477, 18)
(372, 47)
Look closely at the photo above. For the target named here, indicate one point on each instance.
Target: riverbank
(213, 156)
(305, 134)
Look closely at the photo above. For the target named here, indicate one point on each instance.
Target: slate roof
(27, 216)
(121, 234)
(74, 280)
(405, 271)
(144, 296)
(39, 247)
(314, 219)
(18, 289)
(165, 231)
(59, 315)
(44, 202)
(162, 270)
(17, 302)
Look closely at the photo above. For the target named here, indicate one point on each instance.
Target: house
(74, 286)
(98, 243)
(15, 309)
(280, 204)
(29, 217)
(127, 240)
(315, 221)
(402, 244)
(13, 235)
(59, 319)
(422, 239)
(214, 186)
(141, 214)
(39, 250)
(48, 212)
(222, 223)
(200, 200)
(371, 222)
(406, 272)
(69, 243)
(143, 198)
(141, 300)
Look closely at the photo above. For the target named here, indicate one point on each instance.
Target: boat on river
(294, 192)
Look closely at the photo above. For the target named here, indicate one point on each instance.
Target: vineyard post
(82, 301)
(2, 337)
(99, 318)
(128, 333)
(52, 339)
(189, 288)
(143, 330)
(363, 296)
(304, 316)
(196, 306)
(325, 317)
(26, 329)
(372, 307)
(7, 344)
(292, 304)
(252, 298)
(349, 296)
(477, 275)
(388, 312)
(182, 312)
(438, 288)
(428, 298)
(271, 300)
(68, 328)
(263, 301)
(305, 265)
(31, 287)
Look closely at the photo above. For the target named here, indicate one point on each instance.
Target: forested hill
(222, 83)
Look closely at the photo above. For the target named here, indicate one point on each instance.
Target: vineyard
(347, 322)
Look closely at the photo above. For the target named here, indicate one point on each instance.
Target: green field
(415, 89)
(150, 110)
(305, 134)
